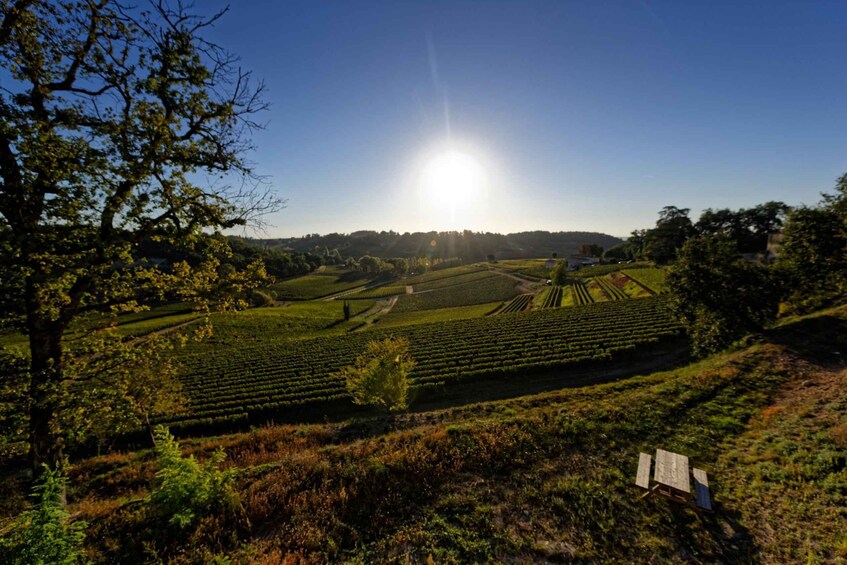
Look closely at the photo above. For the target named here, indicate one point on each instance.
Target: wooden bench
(701, 488)
(642, 478)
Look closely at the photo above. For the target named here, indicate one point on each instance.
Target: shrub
(45, 534)
(379, 375)
(184, 490)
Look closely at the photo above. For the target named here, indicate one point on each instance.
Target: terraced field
(232, 383)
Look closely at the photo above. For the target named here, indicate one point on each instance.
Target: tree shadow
(821, 340)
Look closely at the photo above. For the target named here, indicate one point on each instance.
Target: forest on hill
(467, 245)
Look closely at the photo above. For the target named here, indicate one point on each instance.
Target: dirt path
(389, 306)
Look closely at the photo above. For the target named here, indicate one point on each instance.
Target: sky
(585, 116)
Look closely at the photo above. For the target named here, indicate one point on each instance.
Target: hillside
(544, 478)
(470, 246)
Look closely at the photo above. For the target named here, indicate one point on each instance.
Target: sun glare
(453, 181)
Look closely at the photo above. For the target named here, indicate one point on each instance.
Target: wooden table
(672, 478)
(672, 474)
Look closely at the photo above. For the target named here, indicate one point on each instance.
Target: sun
(453, 180)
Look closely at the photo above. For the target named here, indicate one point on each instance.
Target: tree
(559, 273)
(109, 116)
(370, 264)
(718, 296)
(672, 230)
(591, 250)
(378, 376)
(814, 250)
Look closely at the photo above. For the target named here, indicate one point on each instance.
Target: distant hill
(470, 246)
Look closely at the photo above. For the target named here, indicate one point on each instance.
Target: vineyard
(518, 304)
(533, 269)
(489, 289)
(581, 294)
(553, 298)
(600, 270)
(313, 286)
(378, 292)
(613, 292)
(651, 278)
(444, 274)
(226, 384)
(454, 280)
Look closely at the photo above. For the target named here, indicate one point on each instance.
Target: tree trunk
(45, 347)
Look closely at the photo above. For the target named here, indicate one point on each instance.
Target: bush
(45, 534)
(184, 490)
(379, 375)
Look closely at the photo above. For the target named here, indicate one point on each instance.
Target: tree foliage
(813, 256)
(46, 533)
(717, 295)
(559, 273)
(110, 117)
(379, 375)
(673, 228)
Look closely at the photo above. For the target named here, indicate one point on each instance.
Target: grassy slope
(539, 478)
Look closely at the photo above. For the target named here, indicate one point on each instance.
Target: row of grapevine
(553, 298)
(613, 292)
(224, 383)
(581, 294)
(518, 304)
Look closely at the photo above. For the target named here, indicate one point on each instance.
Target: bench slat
(642, 479)
(701, 486)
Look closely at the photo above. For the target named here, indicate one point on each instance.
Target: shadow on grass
(821, 340)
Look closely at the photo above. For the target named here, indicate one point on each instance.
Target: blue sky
(583, 115)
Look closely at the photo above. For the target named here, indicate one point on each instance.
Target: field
(490, 288)
(650, 278)
(544, 478)
(531, 268)
(228, 379)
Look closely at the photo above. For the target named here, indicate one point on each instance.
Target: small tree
(185, 490)
(559, 273)
(45, 534)
(379, 375)
(346, 310)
